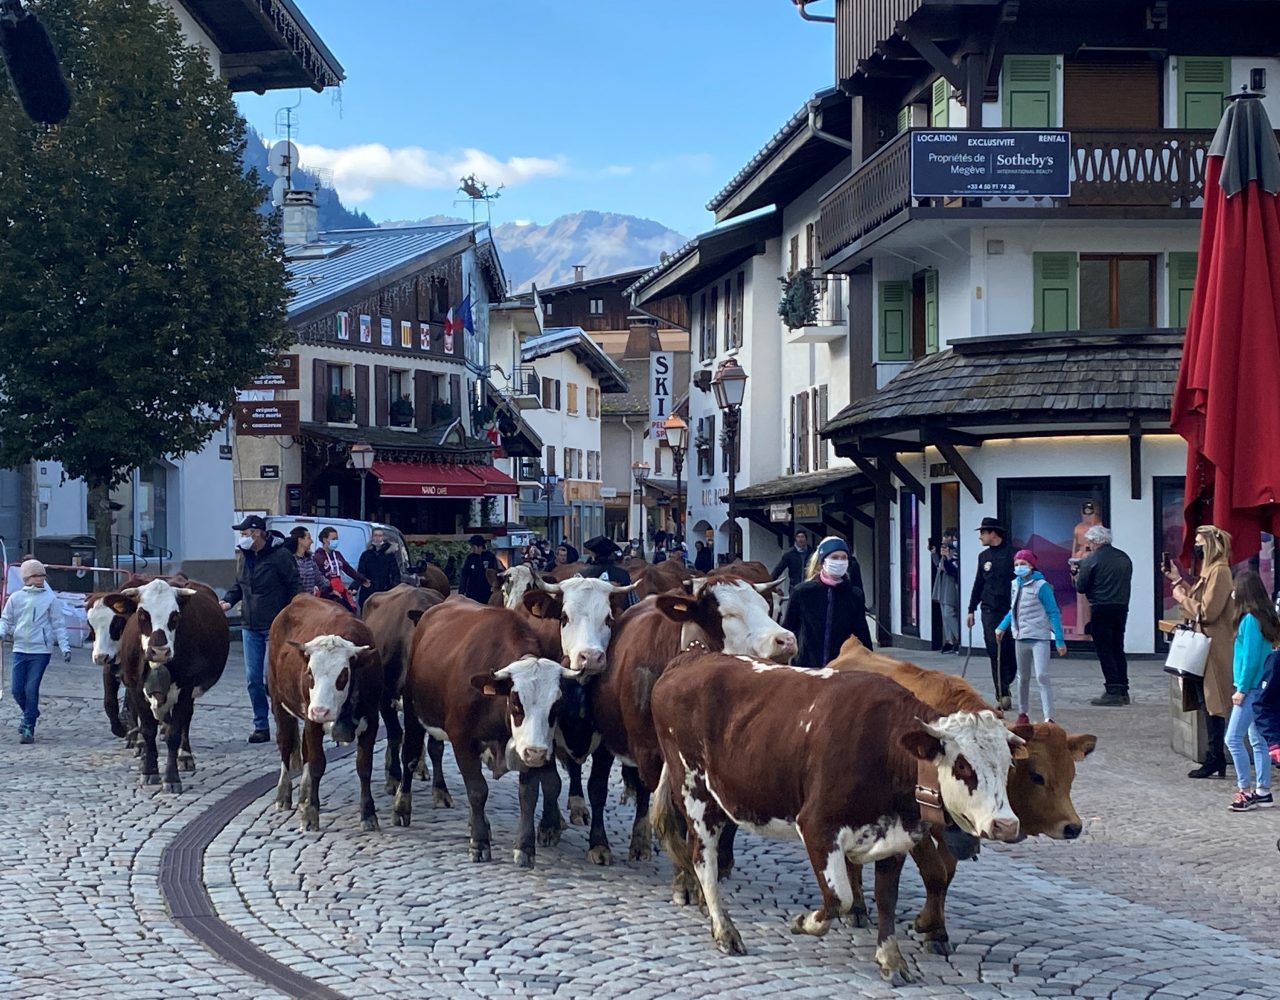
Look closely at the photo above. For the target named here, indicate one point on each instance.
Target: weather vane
(479, 191)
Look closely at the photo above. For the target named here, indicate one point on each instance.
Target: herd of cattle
(689, 689)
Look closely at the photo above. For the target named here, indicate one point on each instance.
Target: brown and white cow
(387, 615)
(475, 679)
(1039, 785)
(722, 613)
(319, 656)
(172, 650)
(829, 757)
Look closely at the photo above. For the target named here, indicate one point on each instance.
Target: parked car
(353, 537)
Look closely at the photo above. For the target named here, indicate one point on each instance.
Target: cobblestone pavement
(1165, 895)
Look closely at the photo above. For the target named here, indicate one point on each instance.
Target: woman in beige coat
(1208, 600)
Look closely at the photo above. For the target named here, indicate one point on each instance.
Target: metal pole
(677, 456)
(363, 473)
(550, 489)
(640, 517)
(731, 425)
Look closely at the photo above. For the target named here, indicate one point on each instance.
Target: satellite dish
(278, 190)
(282, 158)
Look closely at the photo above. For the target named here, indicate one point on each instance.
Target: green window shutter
(895, 321)
(1203, 84)
(1182, 279)
(940, 103)
(1029, 85)
(904, 118)
(1056, 289)
(931, 312)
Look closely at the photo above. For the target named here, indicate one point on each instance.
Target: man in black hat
(992, 589)
(604, 561)
(474, 581)
(266, 580)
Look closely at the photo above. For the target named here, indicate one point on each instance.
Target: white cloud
(360, 172)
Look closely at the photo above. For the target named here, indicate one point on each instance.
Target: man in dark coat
(992, 591)
(604, 561)
(825, 611)
(380, 563)
(794, 560)
(704, 560)
(266, 580)
(474, 581)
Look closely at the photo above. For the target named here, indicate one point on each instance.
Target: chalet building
(1022, 350)
(382, 361)
(601, 307)
(174, 512)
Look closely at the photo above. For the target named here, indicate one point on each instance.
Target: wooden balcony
(1118, 169)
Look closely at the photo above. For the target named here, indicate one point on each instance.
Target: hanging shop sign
(779, 512)
(283, 374)
(984, 163)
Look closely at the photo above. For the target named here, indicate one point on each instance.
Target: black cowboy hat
(991, 524)
(601, 546)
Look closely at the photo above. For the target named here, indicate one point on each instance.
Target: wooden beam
(964, 472)
(1135, 458)
(862, 517)
(947, 435)
(879, 477)
(908, 480)
(933, 55)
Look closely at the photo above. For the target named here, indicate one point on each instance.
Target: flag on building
(343, 326)
(464, 315)
(451, 327)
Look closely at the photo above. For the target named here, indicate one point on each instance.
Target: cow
(851, 763)
(663, 577)
(475, 678)
(721, 613)
(173, 649)
(106, 627)
(1039, 785)
(320, 655)
(387, 615)
(432, 577)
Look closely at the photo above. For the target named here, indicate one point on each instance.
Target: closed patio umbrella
(1227, 400)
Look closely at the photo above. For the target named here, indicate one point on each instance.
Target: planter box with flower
(800, 310)
(702, 446)
(341, 408)
(440, 412)
(401, 412)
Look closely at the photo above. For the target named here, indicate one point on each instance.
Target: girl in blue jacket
(1257, 632)
(1035, 621)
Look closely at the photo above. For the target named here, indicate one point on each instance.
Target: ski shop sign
(990, 164)
(661, 392)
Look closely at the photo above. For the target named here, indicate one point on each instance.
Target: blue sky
(639, 106)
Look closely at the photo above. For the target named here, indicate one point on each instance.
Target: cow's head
(159, 608)
(531, 686)
(330, 660)
(1040, 784)
(515, 582)
(586, 617)
(733, 614)
(107, 617)
(973, 753)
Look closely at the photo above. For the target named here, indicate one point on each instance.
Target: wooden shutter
(319, 391)
(715, 445)
(1182, 278)
(802, 432)
(739, 330)
(703, 353)
(895, 321)
(1090, 88)
(930, 312)
(1030, 90)
(1056, 288)
(455, 395)
(712, 313)
(793, 465)
(904, 118)
(557, 384)
(1203, 84)
(939, 103)
(820, 422)
(381, 395)
(551, 460)
(362, 395)
(422, 386)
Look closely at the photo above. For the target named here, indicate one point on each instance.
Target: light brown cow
(319, 656)
(1039, 785)
(663, 578)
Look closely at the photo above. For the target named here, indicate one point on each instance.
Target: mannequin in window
(1080, 548)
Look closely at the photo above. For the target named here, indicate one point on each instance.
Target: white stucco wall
(559, 428)
(195, 34)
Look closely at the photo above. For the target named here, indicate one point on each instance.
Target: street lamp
(730, 385)
(362, 460)
(678, 439)
(548, 482)
(640, 472)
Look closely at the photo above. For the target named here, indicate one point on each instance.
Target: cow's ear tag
(489, 689)
(683, 607)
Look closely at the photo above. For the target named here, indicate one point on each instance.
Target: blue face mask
(1022, 571)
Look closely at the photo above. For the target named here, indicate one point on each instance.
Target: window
(551, 460)
(1117, 292)
(400, 398)
(596, 307)
(657, 461)
(572, 407)
(593, 402)
(551, 394)
(336, 376)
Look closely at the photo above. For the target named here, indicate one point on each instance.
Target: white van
(353, 537)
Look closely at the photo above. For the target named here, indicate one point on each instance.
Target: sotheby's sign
(990, 164)
(661, 391)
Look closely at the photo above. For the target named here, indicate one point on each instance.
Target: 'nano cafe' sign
(984, 163)
(435, 491)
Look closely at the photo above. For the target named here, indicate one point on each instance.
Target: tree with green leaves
(139, 283)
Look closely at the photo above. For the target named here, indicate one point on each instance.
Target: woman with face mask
(829, 606)
(1207, 600)
(1035, 621)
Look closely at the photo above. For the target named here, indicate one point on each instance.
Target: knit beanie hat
(1027, 556)
(30, 568)
(832, 544)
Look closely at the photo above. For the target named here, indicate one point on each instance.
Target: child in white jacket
(33, 619)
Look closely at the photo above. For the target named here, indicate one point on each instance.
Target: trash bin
(67, 550)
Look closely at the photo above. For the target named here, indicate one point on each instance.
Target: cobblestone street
(1165, 895)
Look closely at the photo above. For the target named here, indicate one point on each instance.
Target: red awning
(497, 483)
(428, 480)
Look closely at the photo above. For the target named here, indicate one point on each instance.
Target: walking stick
(968, 652)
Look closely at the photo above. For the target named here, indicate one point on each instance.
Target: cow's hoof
(422, 771)
(641, 845)
(309, 818)
(403, 809)
(479, 852)
(579, 814)
(893, 967)
(858, 917)
(441, 799)
(600, 855)
(523, 859)
(284, 801)
(174, 787)
(935, 942)
(548, 836)
(729, 941)
(149, 779)
(808, 923)
(369, 823)
(187, 763)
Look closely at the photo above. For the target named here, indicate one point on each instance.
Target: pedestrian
(474, 582)
(604, 561)
(946, 593)
(33, 619)
(794, 561)
(659, 547)
(1104, 577)
(379, 564)
(1257, 634)
(566, 554)
(1034, 620)
(333, 564)
(266, 581)
(313, 582)
(1267, 707)
(1207, 602)
(828, 607)
(703, 558)
(992, 587)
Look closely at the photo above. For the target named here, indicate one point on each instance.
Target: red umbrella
(1227, 400)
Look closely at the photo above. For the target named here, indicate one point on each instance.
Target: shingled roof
(995, 385)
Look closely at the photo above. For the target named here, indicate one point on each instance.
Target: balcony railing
(1118, 168)
(525, 388)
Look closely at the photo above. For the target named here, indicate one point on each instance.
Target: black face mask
(1199, 551)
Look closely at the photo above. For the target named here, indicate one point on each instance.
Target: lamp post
(677, 439)
(640, 472)
(362, 460)
(730, 385)
(548, 488)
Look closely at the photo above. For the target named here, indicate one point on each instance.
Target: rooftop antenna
(478, 192)
(283, 156)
